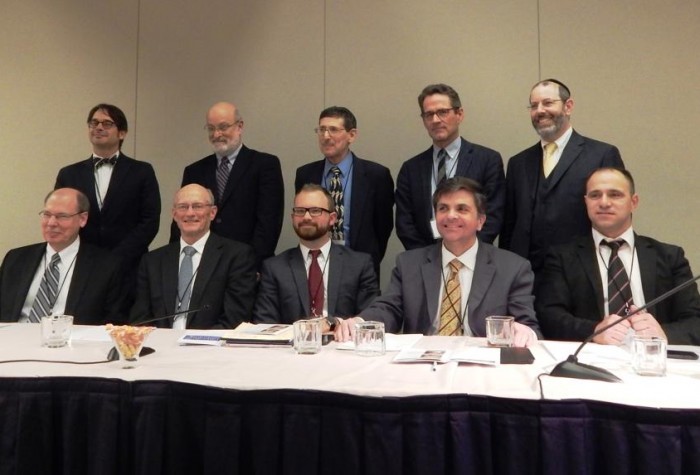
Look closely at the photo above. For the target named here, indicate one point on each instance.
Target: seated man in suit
(63, 275)
(587, 283)
(211, 276)
(450, 288)
(318, 277)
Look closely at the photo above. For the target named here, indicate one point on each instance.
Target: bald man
(62, 275)
(247, 185)
(211, 276)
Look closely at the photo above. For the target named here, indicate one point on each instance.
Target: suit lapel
(426, 176)
(81, 278)
(335, 271)
(431, 270)
(298, 271)
(646, 255)
(569, 155)
(87, 176)
(238, 171)
(533, 169)
(25, 277)
(484, 272)
(464, 161)
(207, 264)
(120, 173)
(360, 190)
(588, 261)
(170, 267)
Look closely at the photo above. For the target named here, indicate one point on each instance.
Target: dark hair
(339, 112)
(439, 89)
(625, 173)
(82, 200)
(114, 113)
(460, 183)
(311, 187)
(564, 92)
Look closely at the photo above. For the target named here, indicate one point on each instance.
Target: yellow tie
(548, 159)
(451, 306)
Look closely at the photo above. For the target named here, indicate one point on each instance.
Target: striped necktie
(619, 291)
(48, 291)
(222, 173)
(451, 306)
(336, 191)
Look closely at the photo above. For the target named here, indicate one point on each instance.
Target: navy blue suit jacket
(414, 208)
(372, 217)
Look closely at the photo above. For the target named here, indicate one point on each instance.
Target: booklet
(259, 334)
(475, 355)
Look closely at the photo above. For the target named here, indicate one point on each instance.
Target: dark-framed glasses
(301, 211)
(106, 124)
(441, 113)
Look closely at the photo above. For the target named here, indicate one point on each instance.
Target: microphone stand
(572, 368)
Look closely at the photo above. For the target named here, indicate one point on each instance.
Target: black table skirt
(104, 426)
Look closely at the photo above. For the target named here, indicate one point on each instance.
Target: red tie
(315, 284)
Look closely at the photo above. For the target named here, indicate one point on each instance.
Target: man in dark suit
(574, 297)
(219, 283)
(450, 288)
(87, 282)
(124, 196)
(449, 156)
(247, 185)
(365, 189)
(545, 182)
(347, 282)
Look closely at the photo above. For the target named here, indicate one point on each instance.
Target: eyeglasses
(196, 207)
(60, 217)
(547, 103)
(300, 211)
(441, 113)
(611, 194)
(333, 131)
(106, 124)
(221, 127)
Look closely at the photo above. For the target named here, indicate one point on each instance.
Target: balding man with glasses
(362, 190)
(64, 274)
(450, 155)
(247, 184)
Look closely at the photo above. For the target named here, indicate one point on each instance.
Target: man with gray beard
(545, 183)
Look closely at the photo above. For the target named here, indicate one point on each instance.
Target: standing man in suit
(363, 191)
(545, 182)
(63, 275)
(317, 277)
(123, 193)
(247, 185)
(200, 271)
(449, 288)
(449, 156)
(577, 297)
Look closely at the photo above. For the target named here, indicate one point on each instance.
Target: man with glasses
(318, 277)
(363, 191)
(247, 184)
(202, 280)
(124, 196)
(545, 182)
(64, 274)
(591, 281)
(450, 155)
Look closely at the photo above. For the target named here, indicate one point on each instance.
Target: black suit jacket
(564, 210)
(570, 296)
(251, 210)
(283, 296)
(130, 217)
(372, 215)
(95, 294)
(414, 199)
(225, 281)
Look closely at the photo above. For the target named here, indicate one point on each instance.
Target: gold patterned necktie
(548, 158)
(451, 306)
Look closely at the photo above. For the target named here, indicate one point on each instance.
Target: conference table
(224, 409)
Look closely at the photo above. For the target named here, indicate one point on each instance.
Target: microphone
(571, 368)
(113, 355)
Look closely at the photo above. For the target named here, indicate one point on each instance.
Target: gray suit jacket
(502, 285)
(283, 296)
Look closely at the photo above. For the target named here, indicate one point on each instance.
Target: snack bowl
(128, 340)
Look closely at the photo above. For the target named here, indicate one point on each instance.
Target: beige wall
(631, 65)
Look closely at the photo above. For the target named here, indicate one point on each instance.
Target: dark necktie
(441, 173)
(48, 291)
(336, 191)
(315, 284)
(98, 162)
(619, 291)
(222, 173)
(184, 281)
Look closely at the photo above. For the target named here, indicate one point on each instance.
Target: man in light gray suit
(317, 278)
(449, 288)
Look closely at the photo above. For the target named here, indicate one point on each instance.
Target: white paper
(391, 341)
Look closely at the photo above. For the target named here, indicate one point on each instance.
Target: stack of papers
(474, 354)
(260, 334)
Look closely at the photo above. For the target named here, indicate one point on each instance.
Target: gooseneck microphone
(571, 368)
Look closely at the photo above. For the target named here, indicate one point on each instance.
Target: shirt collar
(561, 141)
(468, 258)
(627, 236)
(198, 245)
(344, 165)
(66, 254)
(232, 156)
(325, 250)
(452, 149)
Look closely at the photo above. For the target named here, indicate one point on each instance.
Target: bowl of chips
(128, 340)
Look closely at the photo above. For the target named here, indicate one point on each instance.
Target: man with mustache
(545, 183)
(450, 155)
(247, 184)
(319, 277)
